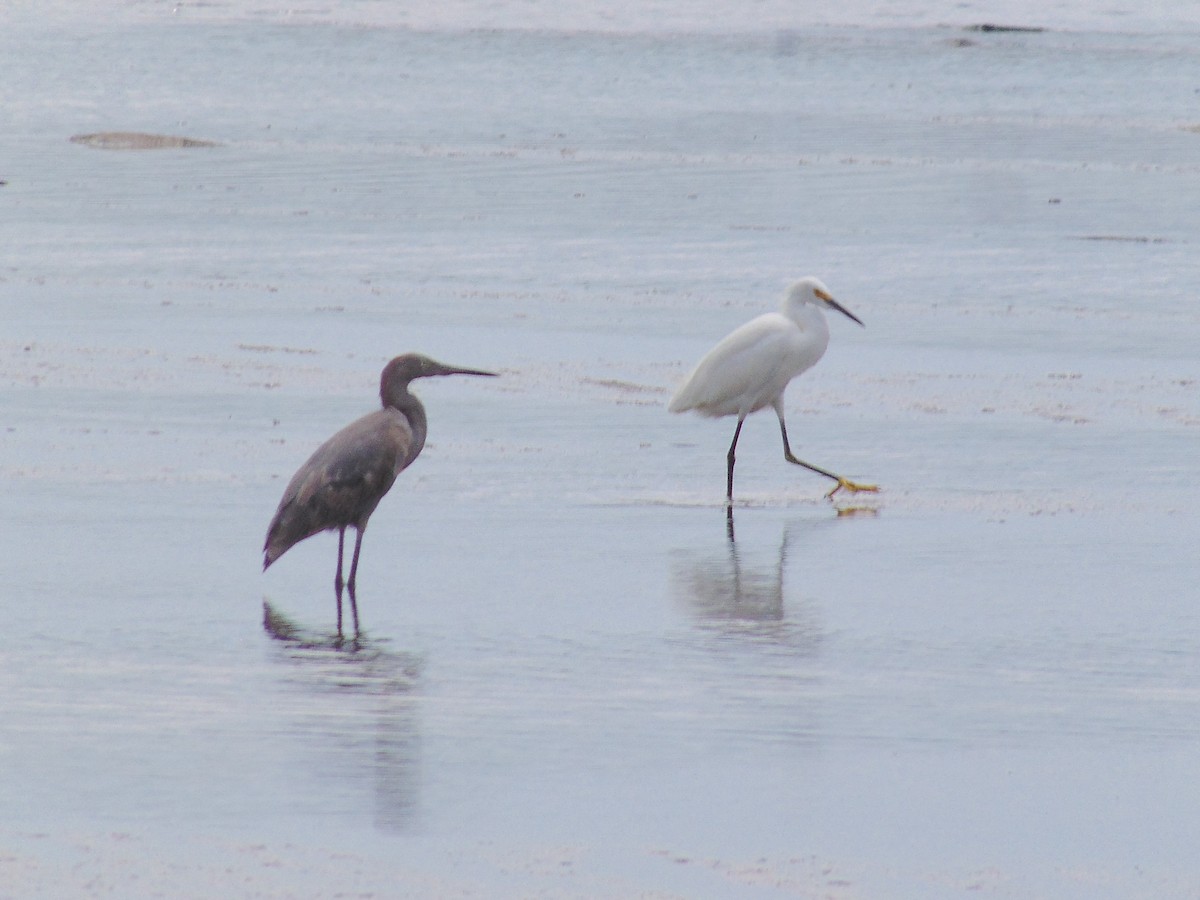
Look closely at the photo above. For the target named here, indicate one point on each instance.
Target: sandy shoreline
(983, 681)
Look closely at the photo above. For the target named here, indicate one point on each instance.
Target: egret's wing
(738, 372)
(343, 481)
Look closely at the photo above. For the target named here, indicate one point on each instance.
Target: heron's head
(811, 290)
(403, 369)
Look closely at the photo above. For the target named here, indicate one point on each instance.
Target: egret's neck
(811, 319)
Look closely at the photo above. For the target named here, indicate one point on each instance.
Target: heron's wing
(343, 481)
(744, 372)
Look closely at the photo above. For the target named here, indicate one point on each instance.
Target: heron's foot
(853, 487)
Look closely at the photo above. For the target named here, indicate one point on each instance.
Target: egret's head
(811, 290)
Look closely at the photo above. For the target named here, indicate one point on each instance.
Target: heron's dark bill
(450, 370)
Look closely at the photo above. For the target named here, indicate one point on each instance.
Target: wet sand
(984, 680)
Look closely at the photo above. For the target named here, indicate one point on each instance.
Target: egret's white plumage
(751, 367)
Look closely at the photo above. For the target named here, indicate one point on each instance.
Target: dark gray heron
(347, 476)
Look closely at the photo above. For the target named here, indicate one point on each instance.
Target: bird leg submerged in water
(338, 583)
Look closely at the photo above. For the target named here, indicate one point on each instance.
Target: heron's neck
(400, 399)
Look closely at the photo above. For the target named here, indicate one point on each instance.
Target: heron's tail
(289, 527)
(273, 547)
(272, 550)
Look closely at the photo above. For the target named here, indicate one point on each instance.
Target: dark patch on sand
(989, 27)
(136, 140)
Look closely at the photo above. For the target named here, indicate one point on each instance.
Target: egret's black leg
(846, 483)
(729, 459)
(787, 454)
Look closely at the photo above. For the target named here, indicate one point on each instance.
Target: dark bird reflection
(354, 706)
(743, 588)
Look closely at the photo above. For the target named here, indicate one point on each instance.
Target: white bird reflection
(741, 588)
(353, 709)
(755, 643)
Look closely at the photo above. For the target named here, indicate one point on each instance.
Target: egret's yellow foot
(853, 487)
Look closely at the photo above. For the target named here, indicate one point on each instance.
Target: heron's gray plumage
(342, 483)
(344, 480)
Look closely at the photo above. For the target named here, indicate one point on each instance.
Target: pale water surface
(983, 681)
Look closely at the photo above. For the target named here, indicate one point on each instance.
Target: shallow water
(985, 679)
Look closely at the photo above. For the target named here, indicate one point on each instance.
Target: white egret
(751, 367)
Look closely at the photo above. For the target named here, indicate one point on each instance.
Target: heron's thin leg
(842, 482)
(729, 459)
(353, 572)
(337, 581)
